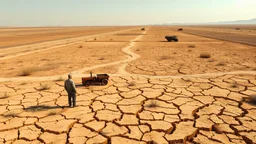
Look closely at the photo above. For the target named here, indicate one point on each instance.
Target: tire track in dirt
(127, 50)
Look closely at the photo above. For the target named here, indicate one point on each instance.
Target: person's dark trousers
(72, 99)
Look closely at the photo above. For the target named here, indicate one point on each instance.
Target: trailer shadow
(92, 84)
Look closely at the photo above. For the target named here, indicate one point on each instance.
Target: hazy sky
(121, 12)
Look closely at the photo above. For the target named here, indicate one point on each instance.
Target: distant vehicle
(237, 28)
(97, 79)
(180, 29)
(172, 38)
(143, 29)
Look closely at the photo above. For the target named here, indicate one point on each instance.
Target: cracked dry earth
(132, 110)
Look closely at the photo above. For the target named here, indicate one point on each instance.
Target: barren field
(163, 58)
(198, 90)
(20, 36)
(245, 34)
(242, 27)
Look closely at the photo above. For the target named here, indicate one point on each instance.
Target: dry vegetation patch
(132, 83)
(205, 55)
(23, 83)
(102, 58)
(166, 57)
(191, 46)
(221, 64)
(234, 85)
(252, 98)
(152, 104)
(44, 86)
(52, 113)
(28, 71)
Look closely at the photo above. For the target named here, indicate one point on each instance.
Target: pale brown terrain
(21, 36)
(245, 34)
(158, 92)
(163, 58)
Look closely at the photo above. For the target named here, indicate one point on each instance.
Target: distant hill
(251, 21)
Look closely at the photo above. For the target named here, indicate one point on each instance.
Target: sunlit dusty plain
(201, 89)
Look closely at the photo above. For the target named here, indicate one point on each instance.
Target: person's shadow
(42, 108)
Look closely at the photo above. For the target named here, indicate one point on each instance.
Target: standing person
(70, 87)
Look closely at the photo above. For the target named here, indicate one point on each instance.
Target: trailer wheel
(86, 83)
(176, 40)
(104, 82)
(169, 40)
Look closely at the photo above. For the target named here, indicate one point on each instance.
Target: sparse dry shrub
(44, 86)
(4, 95)
(137, 49)
(191, 46)
(44, 59)
(187, 80)
(27, 71)
(52, 113)
(234, 85)
(221, 64)
(102, 58)
(252, 98)
(132, 83)
(205, 55)
(165, 57)
(95, 39)
(81, 46)
(152, 104)
(23, 83)
(237, 28)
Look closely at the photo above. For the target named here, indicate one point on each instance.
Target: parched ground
(132, 110)
(64, 59)
(158, 92)
(164, 58)
(245, 34)
(21, 36)
(67, 58)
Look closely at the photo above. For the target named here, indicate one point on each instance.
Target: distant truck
(180, 29)
(172, 38)
(143, 29)
(98, 79)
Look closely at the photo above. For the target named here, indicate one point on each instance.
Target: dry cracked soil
(136, 107)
